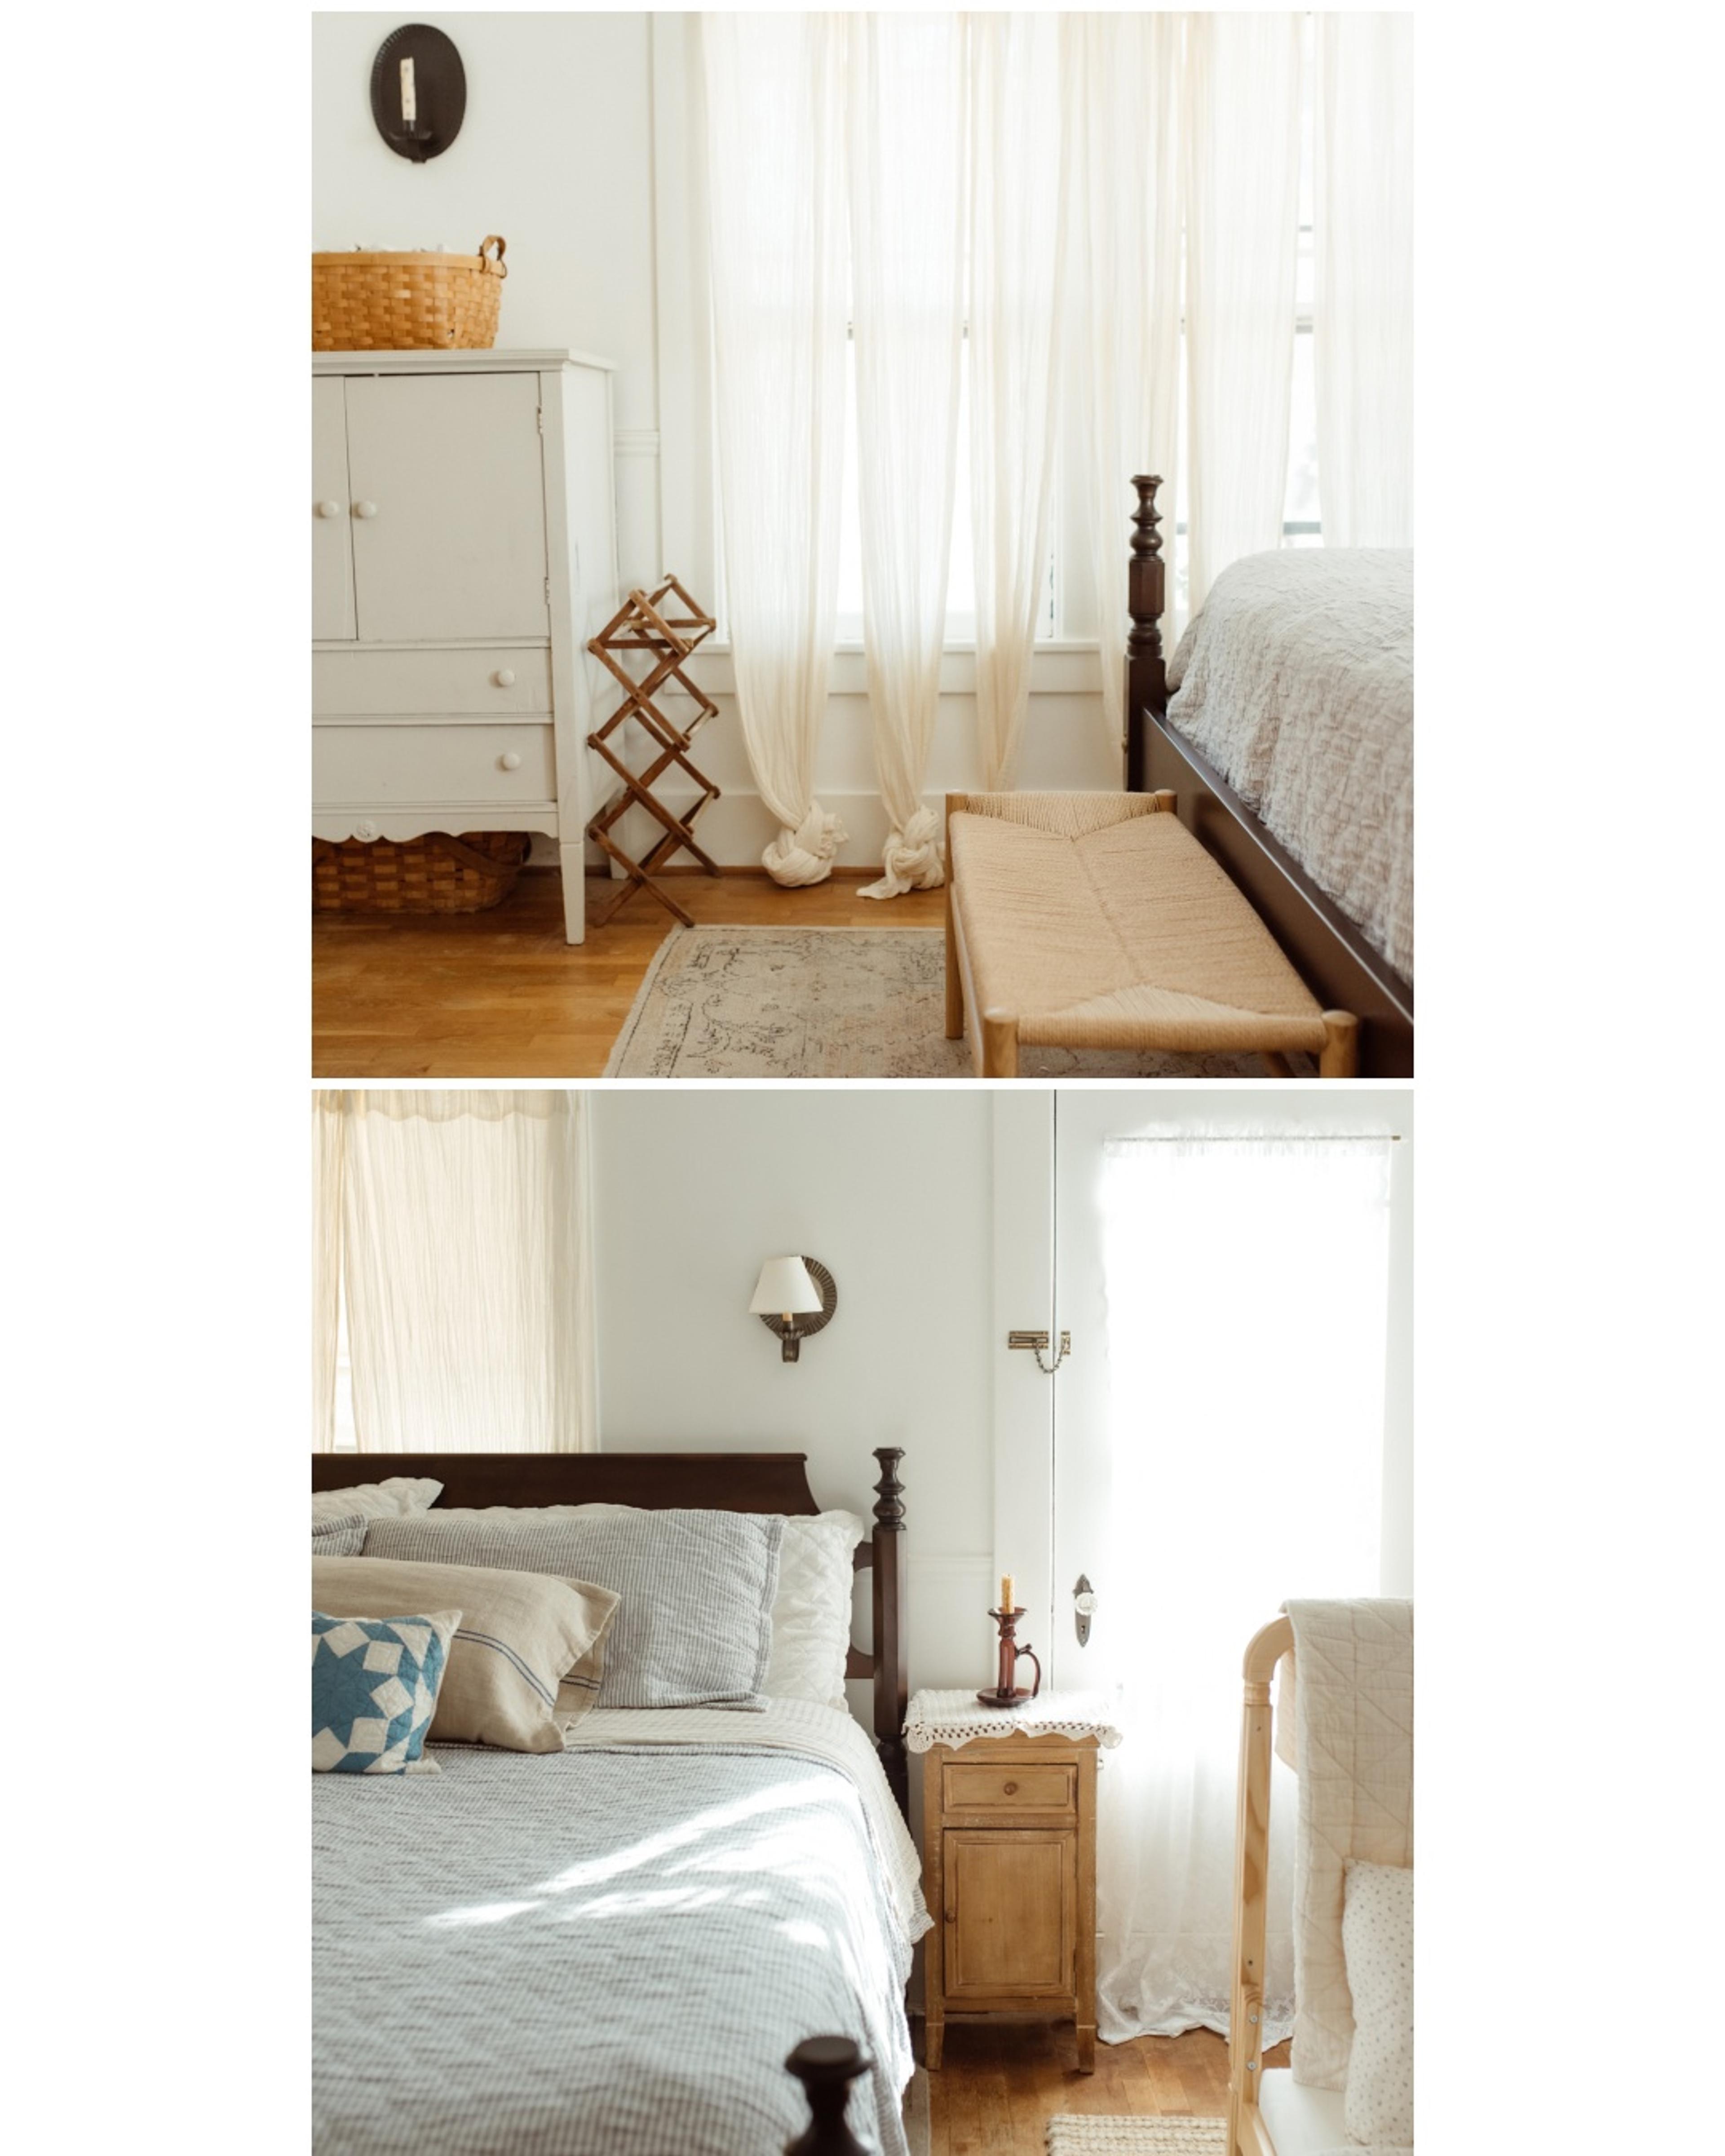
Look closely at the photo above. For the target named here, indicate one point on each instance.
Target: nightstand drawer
(1008, 1787)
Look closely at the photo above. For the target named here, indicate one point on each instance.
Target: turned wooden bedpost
(892, 1690)
(826, 2066)
(1251, 1863)
(1146, 673)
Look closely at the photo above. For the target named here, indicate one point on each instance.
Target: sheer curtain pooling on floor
(452, 1229)
(1247, 1289)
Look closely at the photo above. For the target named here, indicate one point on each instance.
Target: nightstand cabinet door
(1010, 1916)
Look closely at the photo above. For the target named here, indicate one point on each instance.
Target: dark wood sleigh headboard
(711, 1481)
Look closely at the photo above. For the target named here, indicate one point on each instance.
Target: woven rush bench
(1097, 920)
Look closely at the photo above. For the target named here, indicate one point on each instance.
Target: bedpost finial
(890, 1492)
(826, 2066)
(1146, 538)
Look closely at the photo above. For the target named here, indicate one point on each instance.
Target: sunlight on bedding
(782, 1796)
(794, 1854)
(484, 1912)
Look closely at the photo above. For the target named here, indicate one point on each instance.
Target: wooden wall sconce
(794, 1297)
(418, 91)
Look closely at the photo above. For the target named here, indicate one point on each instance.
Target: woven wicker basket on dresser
(411, 302)
(435, 874)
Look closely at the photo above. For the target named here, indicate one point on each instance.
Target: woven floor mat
(1137, 2136)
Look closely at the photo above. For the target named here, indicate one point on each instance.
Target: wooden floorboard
(999, 2084)
(500, 995)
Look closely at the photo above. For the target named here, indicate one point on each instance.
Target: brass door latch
(1037, 1342)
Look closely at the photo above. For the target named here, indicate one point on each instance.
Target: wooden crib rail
(1251, 1864)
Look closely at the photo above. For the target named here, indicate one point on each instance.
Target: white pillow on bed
(1377, 1941)
(376, 1500)
(811, 1609)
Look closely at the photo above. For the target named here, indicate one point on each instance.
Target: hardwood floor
(1000, 2083)
(501, 995)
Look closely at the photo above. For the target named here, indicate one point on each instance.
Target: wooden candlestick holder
(1006, 1692)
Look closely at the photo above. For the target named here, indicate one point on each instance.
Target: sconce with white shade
(794, 1297)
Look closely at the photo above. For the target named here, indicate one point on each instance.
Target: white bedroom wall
(891, 1191)
(575, 148)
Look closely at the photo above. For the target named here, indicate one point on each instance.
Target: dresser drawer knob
(329, 509)
(505, 677)
(365, 508)
(509, 761)
(1012, 1789)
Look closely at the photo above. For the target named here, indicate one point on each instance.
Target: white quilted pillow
(376, 1500)
(811, 1610)
(1377, 1941)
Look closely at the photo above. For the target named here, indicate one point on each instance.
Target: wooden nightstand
(1009, 1870)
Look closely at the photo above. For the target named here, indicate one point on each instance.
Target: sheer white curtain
(466, 1250)
(1017, 214)
(775, 115)
(1247, 1435)
(906, 113)
(1124, 85)
(1242, 230)
(327, 1129)
(1362, 314)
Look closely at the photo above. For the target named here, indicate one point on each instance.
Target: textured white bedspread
(610, 1951)
(1295, 680)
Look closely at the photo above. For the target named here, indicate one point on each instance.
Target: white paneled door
(448, 496)
(331, 516)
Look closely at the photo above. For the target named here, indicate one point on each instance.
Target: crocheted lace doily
(956, 1717)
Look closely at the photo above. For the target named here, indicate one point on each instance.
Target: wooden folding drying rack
(645, 623)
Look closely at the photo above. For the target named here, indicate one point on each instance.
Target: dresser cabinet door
(331, 514)
(1010, 1916)
(448, 506)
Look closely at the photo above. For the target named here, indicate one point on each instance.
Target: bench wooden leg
(1277, 1066)
(955, 978)
(1000, 1043)
(1341, 1050)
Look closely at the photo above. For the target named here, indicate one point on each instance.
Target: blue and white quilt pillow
(374, 1687)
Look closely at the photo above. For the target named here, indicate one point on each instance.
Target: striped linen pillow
(528, 1655)
(339, 1537)
(693, 1622)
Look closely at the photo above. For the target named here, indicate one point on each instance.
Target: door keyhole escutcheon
(1084, 1602)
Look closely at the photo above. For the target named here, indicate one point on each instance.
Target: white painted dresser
(463, 551)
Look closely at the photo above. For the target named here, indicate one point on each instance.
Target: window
(961, 584)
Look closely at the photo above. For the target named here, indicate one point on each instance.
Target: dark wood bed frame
(1327, 949)
(711, 1481)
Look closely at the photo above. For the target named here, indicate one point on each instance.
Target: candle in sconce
(1006, 1600)
(409, 102)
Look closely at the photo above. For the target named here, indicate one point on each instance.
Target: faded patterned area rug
(831, 1003)
(1141, 2136)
